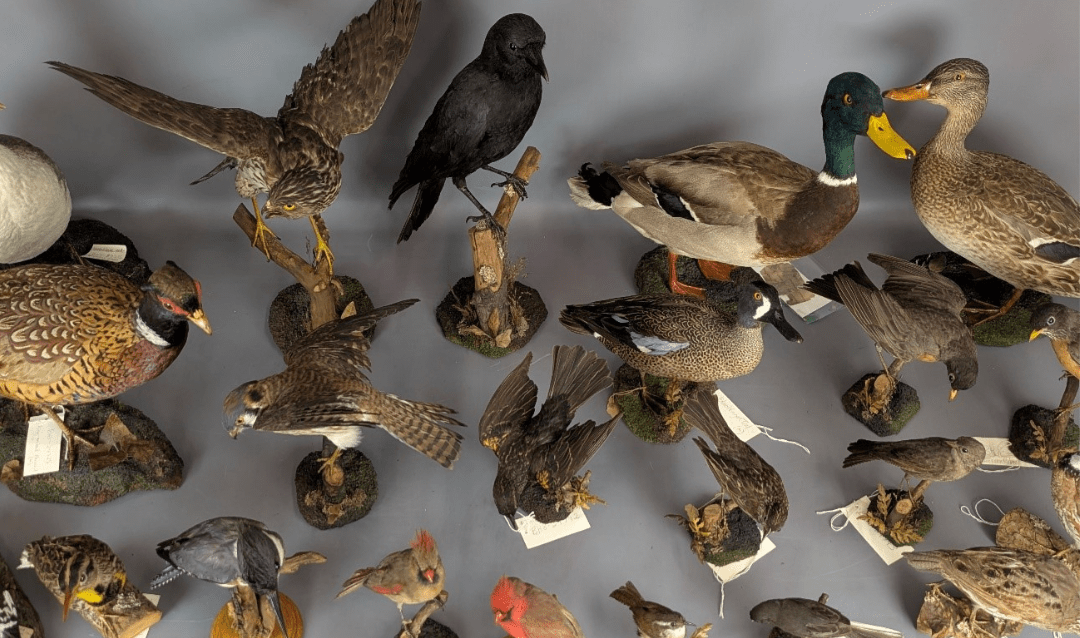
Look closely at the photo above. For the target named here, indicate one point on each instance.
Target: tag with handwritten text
(882, 546)
(739, 423)
(535, 533)
(107, 252)
(44, 442)
(999, 453)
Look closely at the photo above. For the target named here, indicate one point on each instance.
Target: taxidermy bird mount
(496, 315)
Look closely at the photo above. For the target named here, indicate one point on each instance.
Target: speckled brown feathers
(1065, 493)
(914, 316)
(932, 458)
(1007, 217)
(72, 334)
(543, 448)
(294, 155)
(746, 478)
(1010, 583)
(324, 391)
(680, 337)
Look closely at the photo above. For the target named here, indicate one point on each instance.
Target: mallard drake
(1008, 218)
(742, 204)
(682, 337)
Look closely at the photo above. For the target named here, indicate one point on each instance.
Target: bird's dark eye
(513, 46)
(952, 377)
(964, 450)
(847, 99)
(1050, 321)
(959, 76)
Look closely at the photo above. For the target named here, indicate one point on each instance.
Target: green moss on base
(451, 320)
(903, 405)
(645, 422)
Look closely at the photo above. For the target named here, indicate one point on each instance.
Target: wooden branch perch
(314, 280)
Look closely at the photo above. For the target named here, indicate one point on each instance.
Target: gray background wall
(629, 78)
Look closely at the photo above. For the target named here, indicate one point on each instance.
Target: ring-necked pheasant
(74, 334)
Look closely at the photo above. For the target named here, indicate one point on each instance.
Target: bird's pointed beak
(952, 394)
(429, 575)
(275, 603)
(510, 521)
(2, 107)
(199, 319)
(69, 595)
(787, 330)
(887, 139)
(1035, 334)
(536, 59)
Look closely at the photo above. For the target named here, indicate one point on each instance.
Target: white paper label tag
(107, 252)
(998, 453)
(788, 279)
(739, 423)
(153, 598)
(882, 546)
(535, 533)
(43, 445)
(731, 571)
(25, 632)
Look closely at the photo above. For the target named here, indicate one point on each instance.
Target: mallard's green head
(853, 106)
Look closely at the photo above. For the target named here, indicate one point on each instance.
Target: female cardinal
(408, 577)
(526, 611)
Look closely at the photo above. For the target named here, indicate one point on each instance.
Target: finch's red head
(509, 605)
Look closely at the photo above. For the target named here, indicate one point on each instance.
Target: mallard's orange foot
(715, 270)
(677, 286)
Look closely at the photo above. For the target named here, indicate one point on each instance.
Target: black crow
(480, 118)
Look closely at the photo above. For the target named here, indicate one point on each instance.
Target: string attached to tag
(973, 512)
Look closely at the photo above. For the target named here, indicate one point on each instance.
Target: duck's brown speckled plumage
(1012, 584)
(996, 211)
(681, 337)
(70, 334)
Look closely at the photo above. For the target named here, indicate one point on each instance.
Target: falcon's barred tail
(593, 190)
(427, 195)
(421, 427)
(577, 374)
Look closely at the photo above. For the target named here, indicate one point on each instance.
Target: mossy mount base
(651, 278)
(324, 507)
(433, 629)
(647, 420)
(985, 290)
(156, 467)
(902, 406)
(225, 625)
(290, 311)
(452, 321)
(903, 529)
(1029, 433)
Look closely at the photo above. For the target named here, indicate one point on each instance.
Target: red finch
(408, 577)
(526, 611)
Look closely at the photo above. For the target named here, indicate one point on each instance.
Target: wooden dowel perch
(315, 280)
(491, 268)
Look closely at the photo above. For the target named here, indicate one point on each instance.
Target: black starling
(543, 449)
(480, 118)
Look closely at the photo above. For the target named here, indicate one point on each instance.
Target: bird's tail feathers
(932, 561)
(628, 595)
(356, 581)
(826, 284)
(427, 195)
(592, 190)
(577, 374)
(703, 412)
(860, 451)
(169, 574)
(422, 426)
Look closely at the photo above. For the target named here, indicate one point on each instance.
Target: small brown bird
(914, 316)
(746, 478)
(77, 568)
(543, 449)
(324, 391)
(653, 620)
(75, 334)
(1012, 584)
(294, 156)
(524, 610)
(1062, 325)
(408, 577)
(807, 618)
(932, 459)
(1065, 492)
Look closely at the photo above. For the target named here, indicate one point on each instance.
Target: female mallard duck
(1008, 218)
(742, 204)
(682, 337)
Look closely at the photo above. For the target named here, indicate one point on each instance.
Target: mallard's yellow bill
(888, 140)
